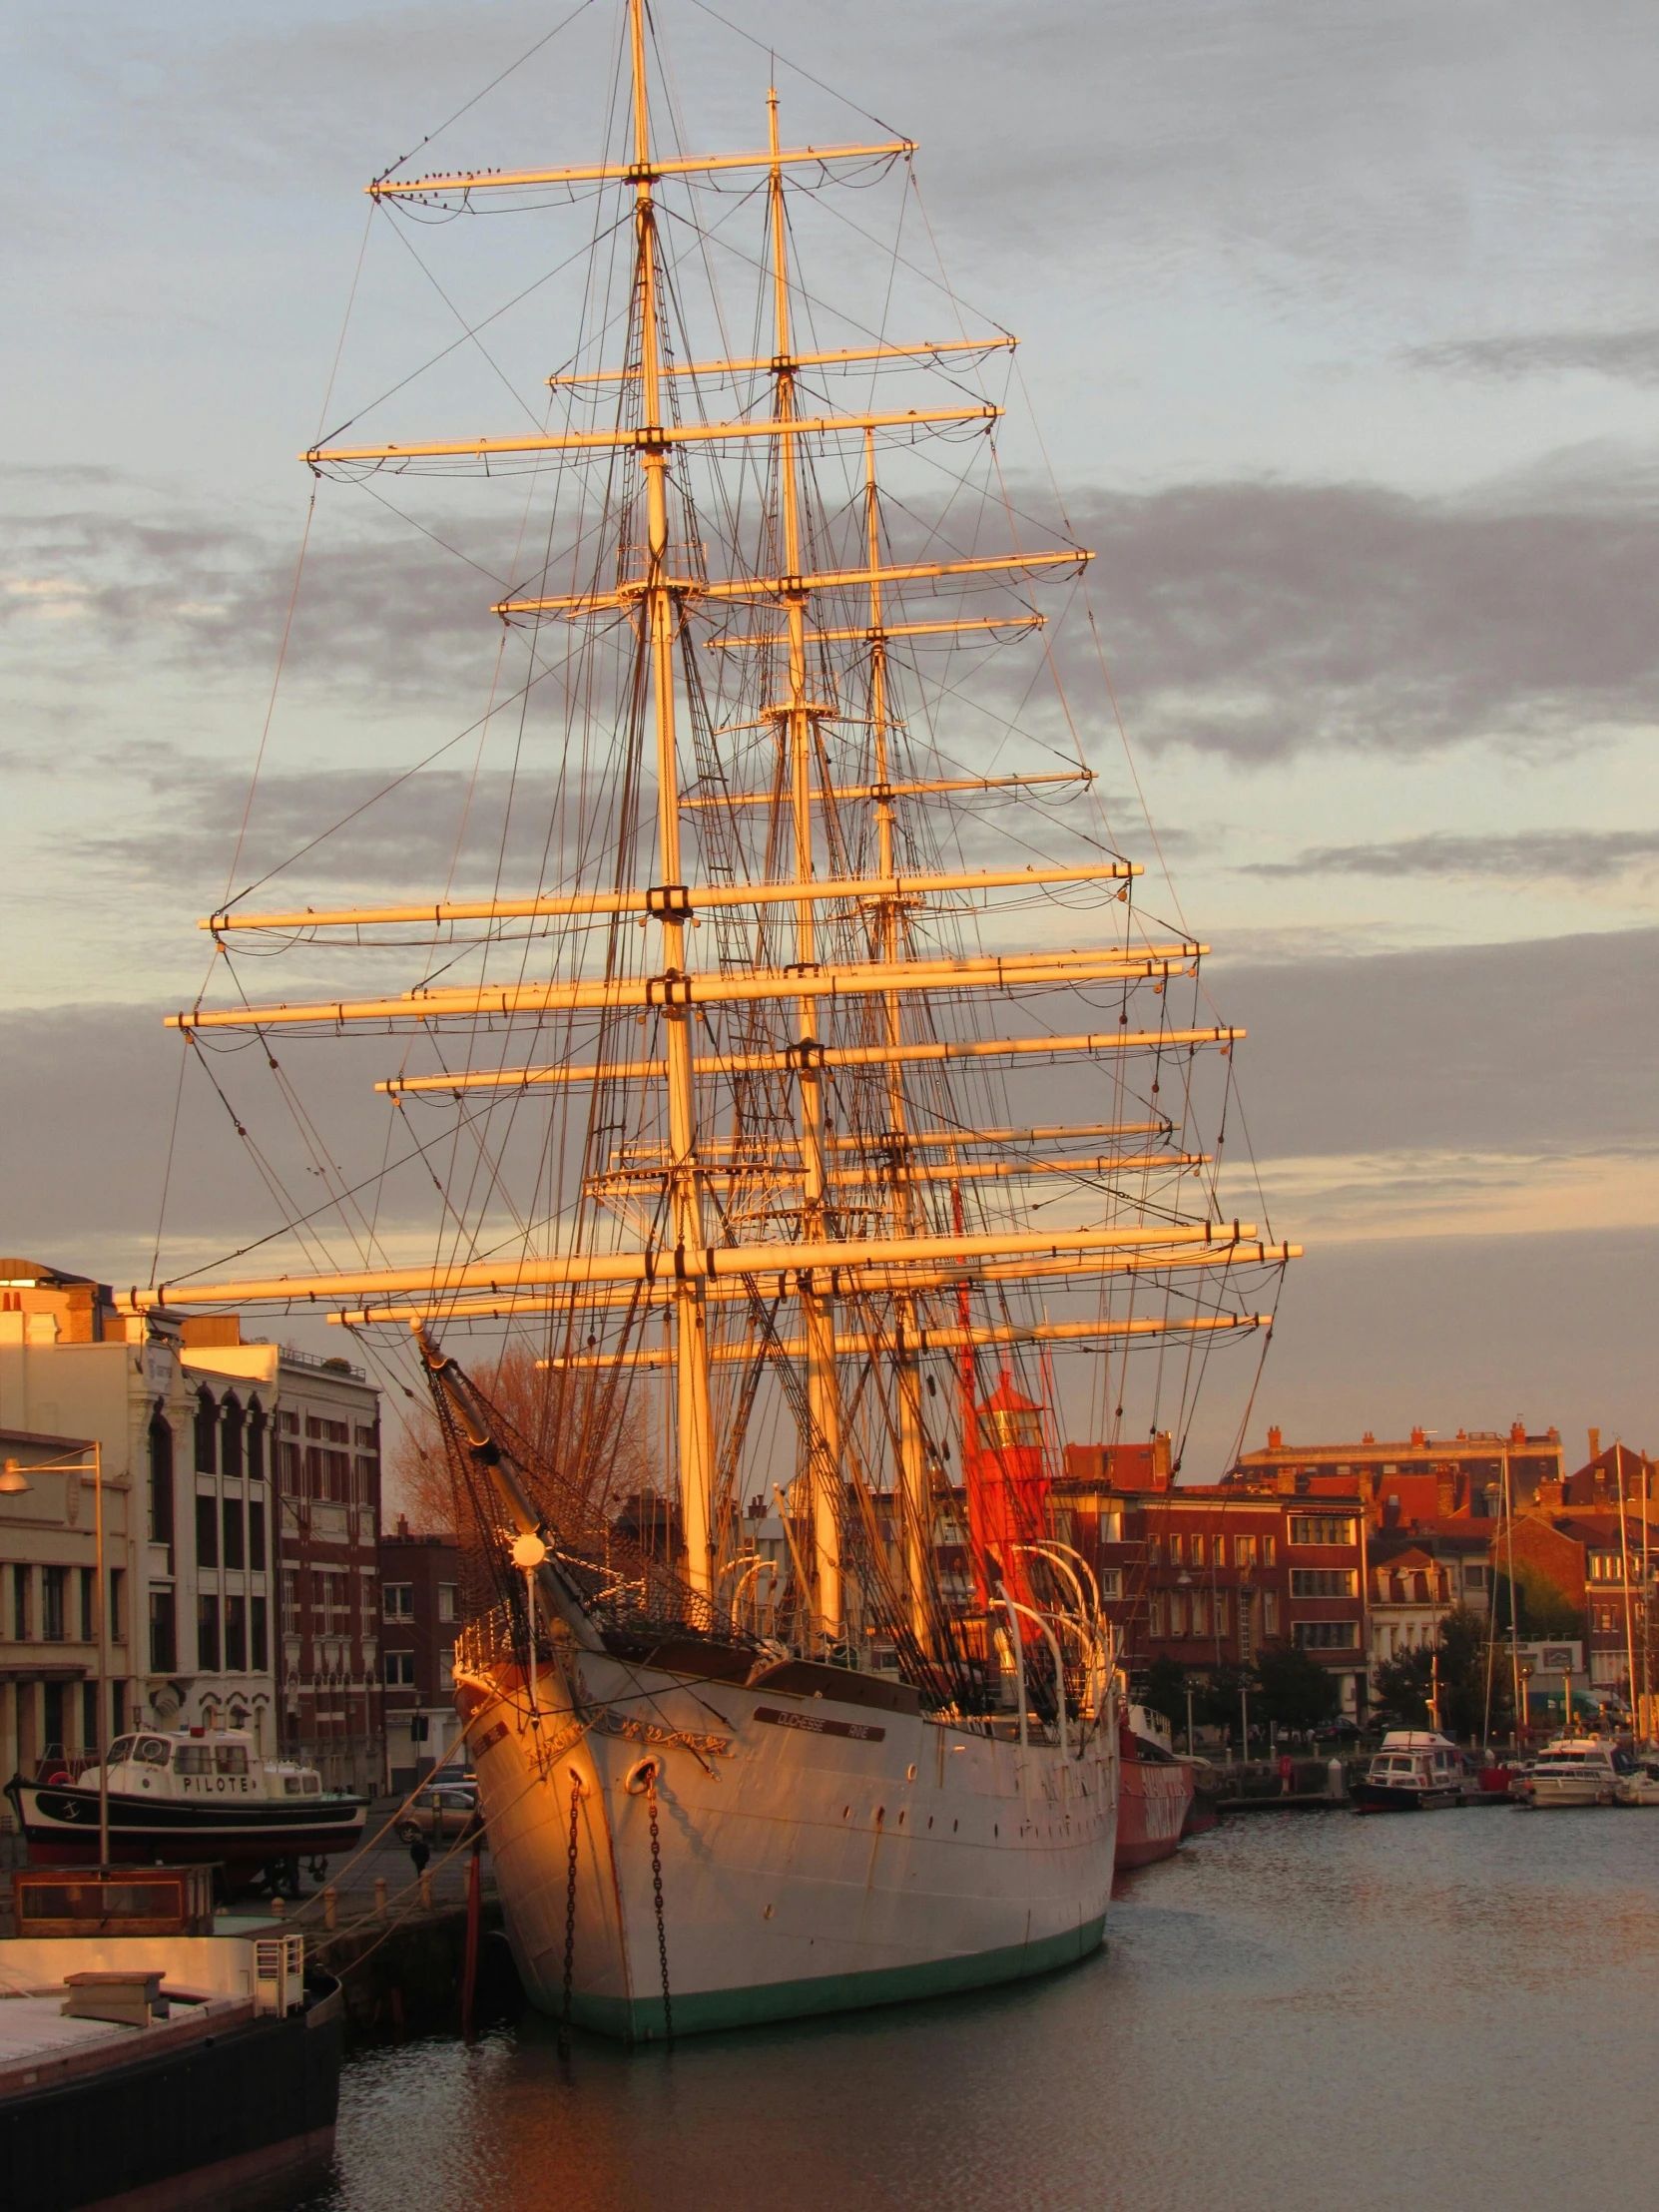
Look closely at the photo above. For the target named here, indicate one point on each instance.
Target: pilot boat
(1575, 1769)
(191, 1795)
(1417, 1771)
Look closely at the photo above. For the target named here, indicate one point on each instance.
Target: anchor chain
(570, 1913)
(657, 1887)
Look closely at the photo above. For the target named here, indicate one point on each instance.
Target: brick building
(1207, 1574)
(419, 1608)
(1426, 1477)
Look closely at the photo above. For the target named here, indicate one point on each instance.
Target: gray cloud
(1259, 619)
(1550, 1044)
(1632, 355)
(1579, 856)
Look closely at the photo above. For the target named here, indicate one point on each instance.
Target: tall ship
(810, 1110)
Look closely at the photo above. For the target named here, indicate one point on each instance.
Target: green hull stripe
(697, 2012)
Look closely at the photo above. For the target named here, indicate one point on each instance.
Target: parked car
(441, 1813)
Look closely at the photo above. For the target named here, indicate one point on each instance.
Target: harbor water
(1298, 2009)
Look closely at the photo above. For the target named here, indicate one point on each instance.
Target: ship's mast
(657, 627)
(916, 1514)
(799, 714)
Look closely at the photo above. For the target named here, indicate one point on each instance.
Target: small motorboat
(1417, 1771)
(1642, 1786)
(1575, 1769)
(193, 1795)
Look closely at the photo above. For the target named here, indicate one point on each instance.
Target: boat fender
(641, 1775)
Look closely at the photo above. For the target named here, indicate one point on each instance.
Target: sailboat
(776, 1708)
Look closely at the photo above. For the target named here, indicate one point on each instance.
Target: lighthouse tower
(1007, 1493)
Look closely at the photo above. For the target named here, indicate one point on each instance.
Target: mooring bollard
(279, 1908)
(330, 1909)
(379, 1897)
(425, 1891)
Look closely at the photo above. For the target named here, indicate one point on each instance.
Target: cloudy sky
(1340, 336)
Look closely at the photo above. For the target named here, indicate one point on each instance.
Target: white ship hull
(816, 1857)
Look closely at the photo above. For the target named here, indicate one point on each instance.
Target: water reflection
(1300, 2009)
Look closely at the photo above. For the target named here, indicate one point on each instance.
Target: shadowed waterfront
(1407, 2009)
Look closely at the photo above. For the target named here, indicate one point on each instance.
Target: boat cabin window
(193, 1759)
(121, 1749)
(313, 1784)
(153, 1751)
(231, 1758)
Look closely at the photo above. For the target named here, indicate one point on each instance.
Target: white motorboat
(1575, 1769)
(1417, 1770)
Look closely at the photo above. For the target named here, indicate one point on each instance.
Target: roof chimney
(1276, 1439)
(1420, 1437)
(403, 1524)
(1595, 1444)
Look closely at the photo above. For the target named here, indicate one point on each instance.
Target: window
(163, 1643)
(1244, 1551)
(207, 1532)
(1201, 1612)
(89, 1716)
(1177, 1550)
(236, 1635)
(1270, 1612)
(368, 1437)
(1320, 1529)
(372, 1601)
(400, 1674)
(1323, 1581)
(118, 1606)
(1604, 1566)
(235, 1550)
(255, 1441)
(397, 1601)
(1176, 1614)
(327, 1431)
(255, 1534)
(88, 1599)
(52, 1581)
(1111, 1582)
(258, 1657)
(369, 1478)
(328, 1473)
(1220, 1605)
(1606, 1668)
(1270, 1550)
(160, 1481)
(287, 1425)
(207, 1433)
(288, 1468)
(446, 1601)
(1201, 1552)
(291, 1600)
(22, 1610)
(1475, 1577)
(1155, 1617)
(1153, 1552)
(446, 1665)
(206, 1633)
(1326, 1635)
(230, 1459)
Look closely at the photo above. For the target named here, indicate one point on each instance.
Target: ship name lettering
(816, 1724)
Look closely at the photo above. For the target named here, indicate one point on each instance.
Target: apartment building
(419, 1612)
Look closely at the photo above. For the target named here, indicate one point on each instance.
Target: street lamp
(13, 1483)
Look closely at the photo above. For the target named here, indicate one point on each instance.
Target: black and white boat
(193, 1795)
(174, 2067)
(1417, 1771)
